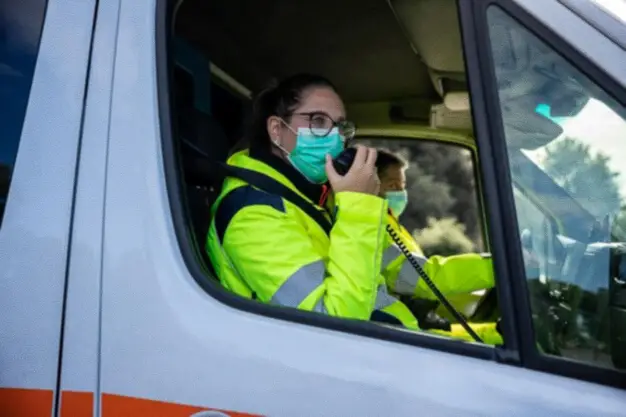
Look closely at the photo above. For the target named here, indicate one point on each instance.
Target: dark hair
(279, 99)
(387, 158)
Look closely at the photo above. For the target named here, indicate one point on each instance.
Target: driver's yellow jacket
(264, 247)
(457, 274)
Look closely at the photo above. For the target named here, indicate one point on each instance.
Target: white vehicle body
(100, 315)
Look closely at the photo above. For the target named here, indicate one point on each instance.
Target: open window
(221, 52)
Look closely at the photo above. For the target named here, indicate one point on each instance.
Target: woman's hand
(362, 176)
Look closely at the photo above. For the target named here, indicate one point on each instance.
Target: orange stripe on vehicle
(76, 404)
(122, 406)
(17, 402)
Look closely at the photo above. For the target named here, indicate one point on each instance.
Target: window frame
(497, 177)
(465, 143)
(164, 76)
(602, 20)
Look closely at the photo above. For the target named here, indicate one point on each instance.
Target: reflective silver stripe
(389, 255)
(406, 283)
(299, 285)
(320, 307)
(383, 299)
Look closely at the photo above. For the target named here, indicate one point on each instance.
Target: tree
(619, 227)
(585, 176)
(443, 237)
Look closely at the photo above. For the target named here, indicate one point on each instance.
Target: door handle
(209, 414)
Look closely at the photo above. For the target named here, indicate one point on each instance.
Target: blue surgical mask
(397, 201)
(309, 154)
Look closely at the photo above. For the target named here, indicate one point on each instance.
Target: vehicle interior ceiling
(394, 61)
(391, 60)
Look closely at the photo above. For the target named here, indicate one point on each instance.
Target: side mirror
(617, 307)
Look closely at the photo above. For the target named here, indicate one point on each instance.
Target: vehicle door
(173, 342)
(44, 54)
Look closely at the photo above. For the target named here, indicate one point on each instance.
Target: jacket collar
(315, 192)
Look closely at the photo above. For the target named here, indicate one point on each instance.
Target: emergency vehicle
(108, 306)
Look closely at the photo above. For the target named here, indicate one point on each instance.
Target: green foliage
(444, 237)
(585, 176)
(619, 228)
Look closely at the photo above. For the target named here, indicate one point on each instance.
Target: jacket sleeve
(273, 253)
(458, 274)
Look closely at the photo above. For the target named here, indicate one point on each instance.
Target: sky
(615, 7)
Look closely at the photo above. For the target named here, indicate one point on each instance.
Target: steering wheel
(487, 308)
(555, 303)
(551, 300)
(542, 299)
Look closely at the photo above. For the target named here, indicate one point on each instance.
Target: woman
(264, 247)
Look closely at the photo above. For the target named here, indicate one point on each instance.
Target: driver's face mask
(397, 201)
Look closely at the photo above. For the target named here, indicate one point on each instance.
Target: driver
(458, 274)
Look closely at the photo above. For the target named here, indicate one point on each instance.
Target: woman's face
(319, 107)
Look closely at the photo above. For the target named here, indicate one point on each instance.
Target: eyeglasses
(321, 125)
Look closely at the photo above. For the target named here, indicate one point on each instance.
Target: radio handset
(342, 165)
(344, 161)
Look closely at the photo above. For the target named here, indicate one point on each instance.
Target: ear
(273, 128)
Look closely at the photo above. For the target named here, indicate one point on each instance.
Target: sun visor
(528, 75)
(432, 27)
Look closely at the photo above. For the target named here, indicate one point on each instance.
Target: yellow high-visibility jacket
(266, 248)
(457, 274)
